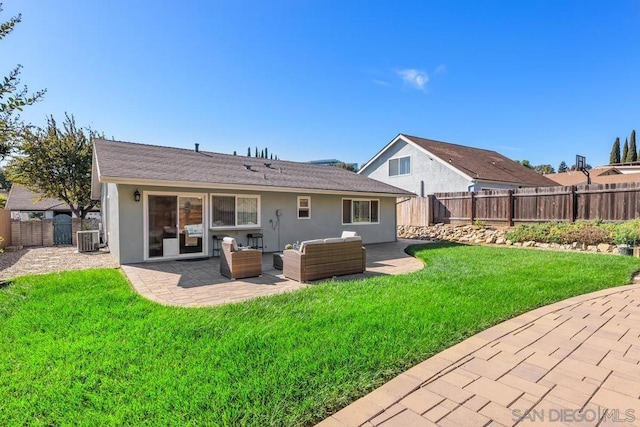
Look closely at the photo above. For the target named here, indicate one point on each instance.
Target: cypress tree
(266, 153)
(633, 152)
(248, 151)
(625, 151)
(256, 151)
(614, 157)
(562, 167)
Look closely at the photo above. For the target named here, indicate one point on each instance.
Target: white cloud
(441, 69)
(414, 78)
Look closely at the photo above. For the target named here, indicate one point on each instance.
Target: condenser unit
(88, 241)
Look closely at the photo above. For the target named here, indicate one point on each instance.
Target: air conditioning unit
(88, 241)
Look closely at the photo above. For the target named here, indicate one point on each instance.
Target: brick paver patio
(199, 283)
(576, 362)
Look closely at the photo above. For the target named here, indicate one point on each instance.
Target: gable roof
(131, 163)
(22, 199)
(597, 177)
(477, 164)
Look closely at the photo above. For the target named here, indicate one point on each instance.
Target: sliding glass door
(175, 225)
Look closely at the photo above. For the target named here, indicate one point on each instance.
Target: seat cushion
(310, 242)
(333, 240)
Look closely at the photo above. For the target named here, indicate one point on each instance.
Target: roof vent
(197, 147)
(248, 167)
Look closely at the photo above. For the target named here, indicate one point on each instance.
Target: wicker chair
(239, 263)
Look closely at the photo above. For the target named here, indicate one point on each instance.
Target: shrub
(587, 232)
(627, 233)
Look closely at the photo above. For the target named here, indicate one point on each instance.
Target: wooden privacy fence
(5, 228)
(608, 202)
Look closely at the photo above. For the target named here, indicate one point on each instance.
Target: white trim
(145, 223)
(241, 187)
(236, 227)
(356, 199)
(308, 208)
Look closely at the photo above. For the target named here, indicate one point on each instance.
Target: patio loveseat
(322, 258)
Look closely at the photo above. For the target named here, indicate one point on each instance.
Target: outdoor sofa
(323, 258)
(236, 263)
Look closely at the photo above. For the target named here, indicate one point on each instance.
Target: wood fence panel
(542, 204)
(608, 202)
(414, 211)
(492, 206)
(452, 207)
(5, 228)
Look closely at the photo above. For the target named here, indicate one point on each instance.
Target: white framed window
(400, 166)
(360, 211)
(235, 211)
(304, 207)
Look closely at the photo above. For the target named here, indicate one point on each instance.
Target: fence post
(472, 206)
(510, 208)
(573, 203)
(429, 209)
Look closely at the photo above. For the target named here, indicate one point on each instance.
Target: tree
(56, 163)
(234, 153)
(633, 152)
(544, 169)
(5, 184)
(525, 163)
(614, 157)
(587, 167)
(256, 152)
(266, 153)
(13, 98)
(249, 152)
(347, 166)
(625, 151)
(562, 167)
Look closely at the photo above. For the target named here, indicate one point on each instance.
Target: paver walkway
(576, 362)
(199, 283)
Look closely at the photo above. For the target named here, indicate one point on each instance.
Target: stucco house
(170, 203)
(424, 166)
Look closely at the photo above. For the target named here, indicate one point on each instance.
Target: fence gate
(62, 230)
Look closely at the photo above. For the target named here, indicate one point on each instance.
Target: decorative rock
(605, 247)
(500, 241)
(528, 244)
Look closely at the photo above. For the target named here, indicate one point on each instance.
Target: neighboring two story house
(424, 166)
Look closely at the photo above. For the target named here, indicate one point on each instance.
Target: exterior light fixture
(136, 195)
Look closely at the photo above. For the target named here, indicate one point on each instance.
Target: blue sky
(541, 80)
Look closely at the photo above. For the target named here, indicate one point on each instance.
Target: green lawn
(81, 348)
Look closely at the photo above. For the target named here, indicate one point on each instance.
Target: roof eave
(245, 187)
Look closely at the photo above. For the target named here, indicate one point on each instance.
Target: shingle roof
(482, 164)
(22, 199)
(577, 177)
(118, 160)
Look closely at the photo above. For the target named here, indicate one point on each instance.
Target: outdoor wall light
(136, 195)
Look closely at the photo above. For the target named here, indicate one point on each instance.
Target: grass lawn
(82, 348)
